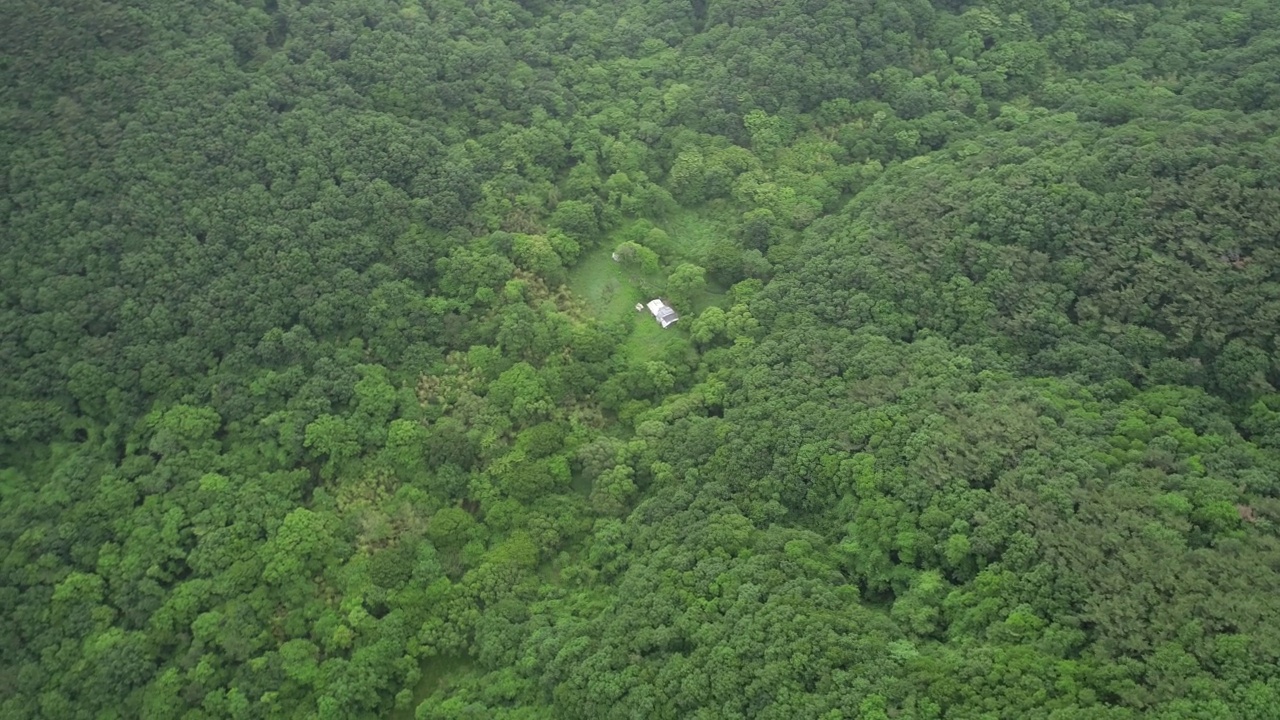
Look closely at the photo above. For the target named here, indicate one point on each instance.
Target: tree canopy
(324, 396)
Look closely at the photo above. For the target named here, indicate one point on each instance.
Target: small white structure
(663, 312)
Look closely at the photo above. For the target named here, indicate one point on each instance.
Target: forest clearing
(534, 359)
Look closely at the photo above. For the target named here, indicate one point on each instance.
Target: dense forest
(323, 393)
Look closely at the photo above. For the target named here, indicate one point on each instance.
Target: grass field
(606, 287)
(610, 291)
(649, 341)
(692, 232)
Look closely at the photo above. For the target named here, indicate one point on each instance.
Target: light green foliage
(450, 527)
(638, 256)
(324, 397)
(685, 283)
(180, 428)
(541, 440)
(612, 490)
(406, 438)
(659, 242)
(300, 547)
(708, 326)
(332, 437)
(607, 289)
(768, 134)
(375, 404)
(687, 179)
(521, 394)
(535, 253)
(577, 219)
(565, 247)
(298, 659)
(918, 610)
(526, 479)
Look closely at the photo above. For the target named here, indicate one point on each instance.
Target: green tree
(334, 438)
(578, 220)
(685, 283)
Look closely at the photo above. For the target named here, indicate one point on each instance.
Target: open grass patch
(609, 290)
(715, 295)
(693, 232)
(606, 288)
(650, 341)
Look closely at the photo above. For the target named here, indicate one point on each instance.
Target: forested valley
(324, 392)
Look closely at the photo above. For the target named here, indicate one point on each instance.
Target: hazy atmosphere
(640, 359)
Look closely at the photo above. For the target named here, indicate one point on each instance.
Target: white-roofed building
(663, 312)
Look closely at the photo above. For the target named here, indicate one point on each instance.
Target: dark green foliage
(300, 418)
